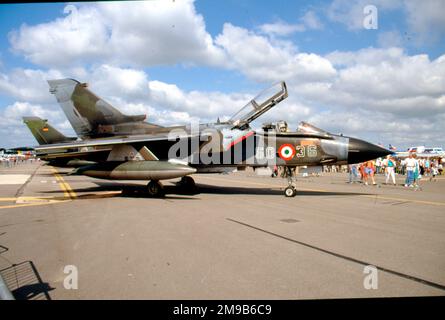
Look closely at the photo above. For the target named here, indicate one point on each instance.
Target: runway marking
(437, 203)
(341, 256)
(47, 200)
(13, 178)
(20, 201)
(66, 188)
(42, 200)
(32, 204)
(32, 198)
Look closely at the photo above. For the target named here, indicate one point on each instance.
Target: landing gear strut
(155, 189)
(291, 190)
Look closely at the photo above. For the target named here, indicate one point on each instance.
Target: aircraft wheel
(187, 185)
(155, 189)
(290, 192)
(188, 182)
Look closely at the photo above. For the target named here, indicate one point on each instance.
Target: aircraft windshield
(259, 105)
(309, 128)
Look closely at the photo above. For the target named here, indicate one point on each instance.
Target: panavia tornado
(44, 133)
(133, 149)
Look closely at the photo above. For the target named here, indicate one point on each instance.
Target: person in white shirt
(411, 165)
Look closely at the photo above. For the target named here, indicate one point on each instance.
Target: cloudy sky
(181, 60)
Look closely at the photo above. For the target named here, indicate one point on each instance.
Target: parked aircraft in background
(44, 133)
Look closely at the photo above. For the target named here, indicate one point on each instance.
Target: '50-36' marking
(286, 152)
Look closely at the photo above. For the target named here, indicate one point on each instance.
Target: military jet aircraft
(145, 151)
(44, 133)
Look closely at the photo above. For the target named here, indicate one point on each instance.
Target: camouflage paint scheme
(44, 132)
(228, 144)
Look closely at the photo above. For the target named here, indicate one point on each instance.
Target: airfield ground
(237, 238)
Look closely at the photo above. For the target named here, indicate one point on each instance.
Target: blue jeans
(353, 174)
(409, 177)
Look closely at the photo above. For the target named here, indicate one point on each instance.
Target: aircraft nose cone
(360, 151)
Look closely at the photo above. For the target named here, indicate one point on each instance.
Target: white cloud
(381, 127)
(261, 60)
(160, 32)
(380, 94)
(281, 28)
(27, 84)
(426, 20)
(119, 82)
(140, 33)
(64, 41)
(14, 132)
(204, 105)
(368, 56)
(350, 13)
(311, 20)
(389, 74)
(14, 112)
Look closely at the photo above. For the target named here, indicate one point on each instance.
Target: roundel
(286, 152)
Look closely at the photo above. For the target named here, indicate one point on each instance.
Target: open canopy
(259, 105)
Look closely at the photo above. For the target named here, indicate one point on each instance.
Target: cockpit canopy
(309, 128)
(260, 104)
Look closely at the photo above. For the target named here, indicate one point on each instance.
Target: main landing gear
(187, 185)
(155, 189)
(187, 182)
(291, 190)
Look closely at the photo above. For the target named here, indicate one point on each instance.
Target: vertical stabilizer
(43, 132)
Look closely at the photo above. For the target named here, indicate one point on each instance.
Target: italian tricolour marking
(286, 152)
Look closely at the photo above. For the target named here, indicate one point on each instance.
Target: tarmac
(237, 237)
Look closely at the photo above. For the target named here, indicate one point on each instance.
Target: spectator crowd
(412, 167)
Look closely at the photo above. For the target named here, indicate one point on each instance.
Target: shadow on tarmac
(25, 283)
(139, 191)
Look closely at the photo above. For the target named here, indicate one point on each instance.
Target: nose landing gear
(291, 190)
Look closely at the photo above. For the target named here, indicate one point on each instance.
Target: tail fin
(43, 132)
(84, 109)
